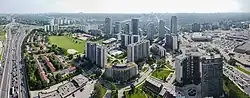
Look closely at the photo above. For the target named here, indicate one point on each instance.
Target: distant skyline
(124, 6)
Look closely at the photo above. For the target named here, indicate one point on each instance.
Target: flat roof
(80, 79)
(127, 65)
(53, 94)
(109, 40)
(66, 89)
(154, 81)
(245, 47)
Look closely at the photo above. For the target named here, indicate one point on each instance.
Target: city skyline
(124, 6)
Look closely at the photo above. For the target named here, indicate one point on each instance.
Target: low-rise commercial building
(200, 37)
(110, 41)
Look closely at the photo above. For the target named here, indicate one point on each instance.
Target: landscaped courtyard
(138, 94)
(67, 42)
(161, 73)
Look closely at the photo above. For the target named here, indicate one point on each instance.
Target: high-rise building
(188, 68)
(138, 51)
(135, 38)
(168, 41)
(127, 39)
(117, 27)
(150, 31)
(127, 29)
(196, 27)
(162, 31)
(135, 26)
(97, 54)
(172, 42)
(212, 76)
(158, 50)
(107, 26)
(101, 58)
(173, 24)
(52, 21)
(90, 51)
(51, 28)
(175, 42)
(61, 21)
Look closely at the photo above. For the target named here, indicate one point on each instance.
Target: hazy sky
(124, 6)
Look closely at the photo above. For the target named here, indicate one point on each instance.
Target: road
(7, 58)
(13, 71)
(237, 77)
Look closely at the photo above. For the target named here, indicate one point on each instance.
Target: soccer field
(68, 43)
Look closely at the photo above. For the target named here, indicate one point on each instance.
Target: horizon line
(128, 13)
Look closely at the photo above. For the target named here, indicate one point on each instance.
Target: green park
(67, 42)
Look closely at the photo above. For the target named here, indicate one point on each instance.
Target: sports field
(68, 43)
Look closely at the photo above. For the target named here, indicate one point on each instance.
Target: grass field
(137, 94)
(68, 43)
(2, 35)
(243, 70)
(235, 91)
(161, 74)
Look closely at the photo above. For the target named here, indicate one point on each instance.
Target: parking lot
(227, 44)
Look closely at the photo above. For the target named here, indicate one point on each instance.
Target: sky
(124, 6)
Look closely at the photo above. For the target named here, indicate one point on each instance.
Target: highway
(7, 59)
(13, 70)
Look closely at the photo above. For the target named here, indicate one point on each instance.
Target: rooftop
(80, 79)
(212, 56)
(122, 66)
(53, 94)
(109, 40)
(154, 81)
(66, 89)
(245, 47)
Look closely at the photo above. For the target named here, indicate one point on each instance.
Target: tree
(232, 61)
(232, 94)
(132, 88)
(70, 56)
(113, 86)
(58, 77)
(114, 94)
(97, 89)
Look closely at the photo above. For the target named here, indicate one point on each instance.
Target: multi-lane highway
(12, 80)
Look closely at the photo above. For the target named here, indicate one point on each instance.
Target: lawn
(2, 35)
(242, 69)
(232, 89)
(137, 94)
(103, 91)
(68, 43)
(99, 41)
(161, 74)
